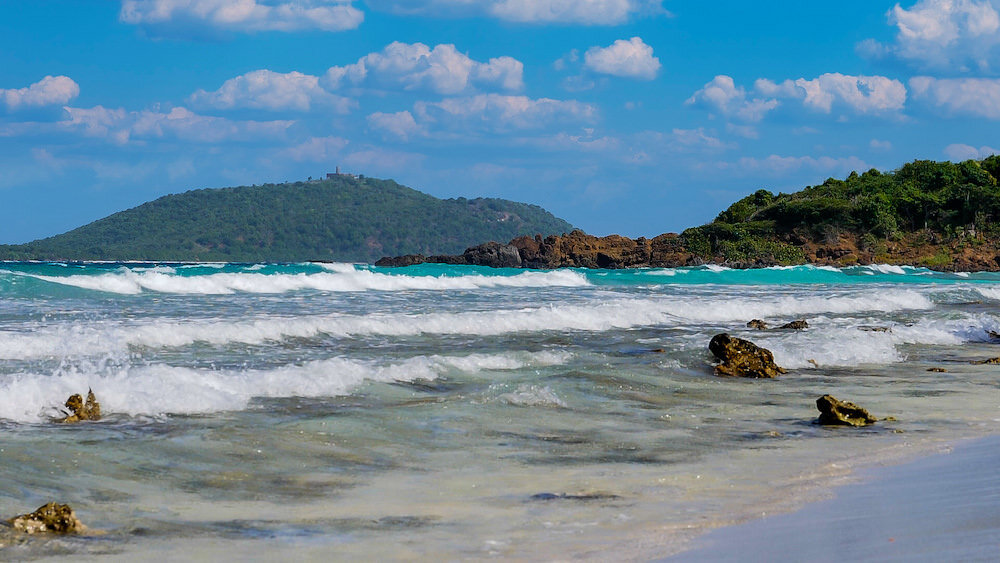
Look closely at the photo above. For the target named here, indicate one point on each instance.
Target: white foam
(532, 396)
(601, 315)
(160, 389)
(341, 277)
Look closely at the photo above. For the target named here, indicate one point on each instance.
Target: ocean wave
(161, 389)
(102, 337)
(338, 279)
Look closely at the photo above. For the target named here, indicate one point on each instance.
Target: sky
(634, 117)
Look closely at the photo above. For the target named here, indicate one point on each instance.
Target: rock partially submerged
(51, 518)
(91, 410)
(991, 361)
(757, 324)
(833, 411)
(742, 358)
(795, 325)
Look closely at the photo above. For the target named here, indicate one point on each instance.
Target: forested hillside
(341, 219)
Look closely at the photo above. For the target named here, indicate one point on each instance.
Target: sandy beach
(939, 508)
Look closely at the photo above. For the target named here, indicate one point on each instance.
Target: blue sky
(622, 116)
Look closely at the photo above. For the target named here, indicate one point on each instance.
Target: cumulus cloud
(859, 94)
(51, 90)
(630, 59)
(978, 97)
(863, 94)
(942, 34)
(242, 15)
(400, 125)
(416, 66)
(495, 112)
(273, 91)
(121, 126)
(723, 96)
(582, 12)
(959, 152)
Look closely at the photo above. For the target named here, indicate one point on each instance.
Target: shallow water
(436, 411)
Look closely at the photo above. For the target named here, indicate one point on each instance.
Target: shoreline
(940, 506)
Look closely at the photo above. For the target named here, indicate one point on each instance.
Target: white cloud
(502, 113)
(880, 145)
(51, 90)
(274, 91)
(959, 152)
(978, 97)
(630, 59)
(723, 96)
(583, 12)
(862, 94)
(942, 34)
(243, 15)
(442, 69)
(121, 126)
(400, 124)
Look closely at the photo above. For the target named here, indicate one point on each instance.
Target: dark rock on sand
(757, 324)
(52, 517)
(835, 412)
(794, 325)
(742, 358)
(91, 410)
(401, 261)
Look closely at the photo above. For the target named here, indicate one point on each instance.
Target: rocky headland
(940, 215)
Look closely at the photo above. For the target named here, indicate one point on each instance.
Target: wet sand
(945, 507)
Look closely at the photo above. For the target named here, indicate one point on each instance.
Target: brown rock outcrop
(757, 324)
(52, 517)
(795, 325)
(742, 358)
(836, 412)
(91, 410)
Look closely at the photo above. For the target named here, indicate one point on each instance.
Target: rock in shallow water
(795, 325)
(836, 412)
(757, 324)
(52, 517)
(91, 410)
(742, 358)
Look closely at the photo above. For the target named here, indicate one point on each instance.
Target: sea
(315, 411)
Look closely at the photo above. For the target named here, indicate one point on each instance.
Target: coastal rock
(401, 261)
(874, 329)
(938, 370)
(835, 412)
(91, 410)
(757, 324)
(742, 358)
(52, 517)
(991, 361)
(494, 255)
(794, 325)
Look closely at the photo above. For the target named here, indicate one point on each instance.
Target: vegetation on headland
(924, 204)
(941, 215)
(342, 218)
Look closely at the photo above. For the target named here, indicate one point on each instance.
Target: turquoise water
(302, 410)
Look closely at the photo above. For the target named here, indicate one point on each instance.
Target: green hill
(925, 213)
(341, 219)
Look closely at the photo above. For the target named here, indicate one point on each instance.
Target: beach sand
(945, 507)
